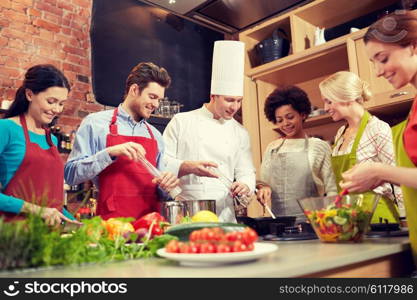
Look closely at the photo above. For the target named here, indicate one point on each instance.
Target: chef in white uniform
(210, 137)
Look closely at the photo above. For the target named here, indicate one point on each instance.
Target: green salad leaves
(31, 243)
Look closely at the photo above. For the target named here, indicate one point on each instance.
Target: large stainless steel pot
(173, 211)
(191, 207)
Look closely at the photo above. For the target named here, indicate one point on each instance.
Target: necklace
(346, 138)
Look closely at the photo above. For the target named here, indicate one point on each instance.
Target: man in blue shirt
(109, 144)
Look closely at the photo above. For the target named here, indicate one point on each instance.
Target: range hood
(227, 16)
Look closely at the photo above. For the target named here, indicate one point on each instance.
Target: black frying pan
(264, 225)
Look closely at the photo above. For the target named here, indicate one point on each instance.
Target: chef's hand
(130, 149)
(361, 178)
(239, 189)
(263, 194)
(199, 168)
(167, 181)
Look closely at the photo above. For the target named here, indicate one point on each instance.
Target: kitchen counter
(382, 257)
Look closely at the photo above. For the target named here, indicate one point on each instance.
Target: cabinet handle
(398, 94)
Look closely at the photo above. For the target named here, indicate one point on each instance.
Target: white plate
(205, 259)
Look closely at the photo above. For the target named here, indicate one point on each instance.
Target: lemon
(205, 216)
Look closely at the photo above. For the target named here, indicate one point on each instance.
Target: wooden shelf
(314, 121)
(384, 112)
(307, 65)
(392, 112)
(330, 13)
(306, 55)
(317, 121)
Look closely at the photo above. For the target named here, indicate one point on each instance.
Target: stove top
(386, 230)
(302, 231)
(377, 234)
(290, 237)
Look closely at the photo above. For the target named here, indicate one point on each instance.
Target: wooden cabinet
(307, 65)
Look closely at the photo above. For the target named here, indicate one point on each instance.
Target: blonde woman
(364, 138)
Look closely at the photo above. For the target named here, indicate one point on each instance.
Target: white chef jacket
(196, 135)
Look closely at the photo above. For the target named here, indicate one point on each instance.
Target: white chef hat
(228, 68)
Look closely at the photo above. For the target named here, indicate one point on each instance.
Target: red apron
(125, 186)
(40, 177)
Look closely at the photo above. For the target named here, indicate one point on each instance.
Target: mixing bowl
(340, 221)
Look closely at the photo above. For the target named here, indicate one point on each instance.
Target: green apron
(385, 209)
(409, 194)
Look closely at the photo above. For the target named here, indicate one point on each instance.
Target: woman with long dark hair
(31, 169)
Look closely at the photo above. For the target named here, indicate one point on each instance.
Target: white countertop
(292, 259)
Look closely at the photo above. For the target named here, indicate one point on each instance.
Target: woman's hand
(52, 216)
(264, 194)
(362, 177)
(130, 149)
(167, 181)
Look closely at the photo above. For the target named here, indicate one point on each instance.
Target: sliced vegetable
(339, 222)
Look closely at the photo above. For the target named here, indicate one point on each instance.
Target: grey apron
(290, 178)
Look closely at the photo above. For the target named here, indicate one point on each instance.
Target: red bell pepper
(146, 220)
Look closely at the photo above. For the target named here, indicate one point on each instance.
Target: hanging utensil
(156, 173)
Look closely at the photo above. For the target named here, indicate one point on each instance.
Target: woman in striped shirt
(364, 138)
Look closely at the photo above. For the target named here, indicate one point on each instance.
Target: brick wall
(48, 31)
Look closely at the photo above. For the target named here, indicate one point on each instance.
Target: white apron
(290, 178)
(213, 142)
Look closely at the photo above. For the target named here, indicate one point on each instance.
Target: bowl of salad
(340, 218)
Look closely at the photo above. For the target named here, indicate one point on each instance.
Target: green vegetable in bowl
(341, 222)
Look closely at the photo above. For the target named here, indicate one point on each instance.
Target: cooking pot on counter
(265, 225)
(191, 207)
(174, 211)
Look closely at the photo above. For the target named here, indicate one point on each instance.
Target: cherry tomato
(217, 230)
(249, 236)
(194, 247)
(223, 248)
(195, 236)
(207, 235)
(172, 246)
(207, 248)
(185, 248)
(238, 246)
(239, 236)
(231, 236)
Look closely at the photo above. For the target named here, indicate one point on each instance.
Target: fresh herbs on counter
(31, 243)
